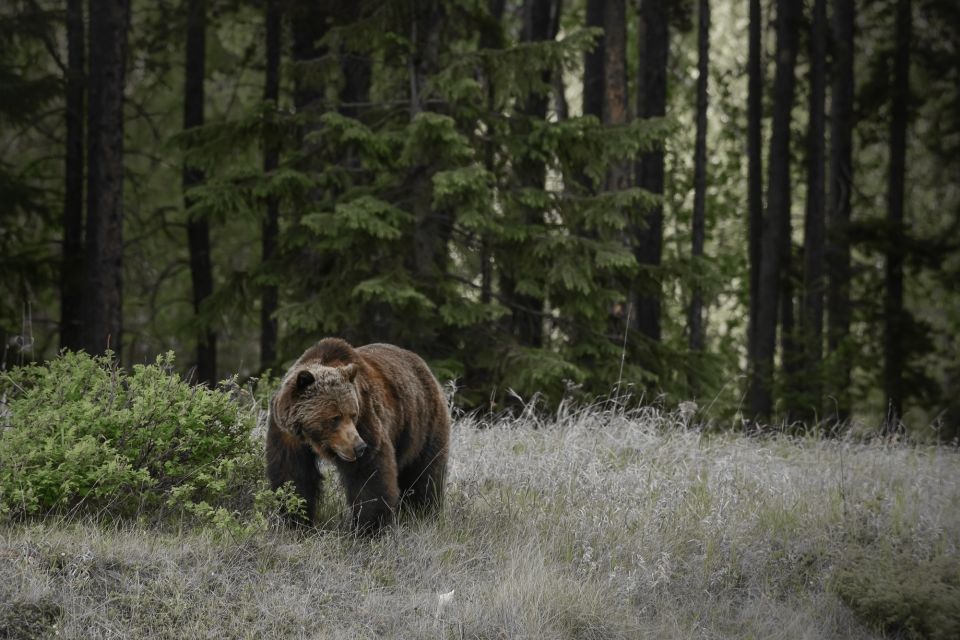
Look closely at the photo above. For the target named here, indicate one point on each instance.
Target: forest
(753, 207)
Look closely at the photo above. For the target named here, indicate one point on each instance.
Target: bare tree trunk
(271, 225)
(754, 169)
(695, 318)
(593, 64)
(841, 180)
(198, 230)
(777, 220)
(654, 44)
(814, 222)
(103, 308)
(490, 38)
(790, 346)
(894, 357)
(71, 266)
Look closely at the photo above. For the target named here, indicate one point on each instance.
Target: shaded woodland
(754, 206)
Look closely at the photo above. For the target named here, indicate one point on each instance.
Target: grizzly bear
(377, 413)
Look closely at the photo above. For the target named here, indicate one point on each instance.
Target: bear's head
(319, 406)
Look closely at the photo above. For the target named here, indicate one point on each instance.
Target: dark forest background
(751, 205)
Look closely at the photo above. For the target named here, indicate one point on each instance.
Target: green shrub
(80, 434)
(895, 592)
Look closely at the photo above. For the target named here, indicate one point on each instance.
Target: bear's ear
(304, 380)
(349, 372)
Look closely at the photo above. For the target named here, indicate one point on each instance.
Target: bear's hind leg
(422, 483)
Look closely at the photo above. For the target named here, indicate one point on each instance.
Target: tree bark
(654, 43)
(526, 311)
(814, 222)
(198, 230)
(754, 167)
(593, 64)
(270, 228)
(490, 38)
(777, 219)
(103, 308)
(842, 122)
(71, 266)
(695, 317)
(894, 357)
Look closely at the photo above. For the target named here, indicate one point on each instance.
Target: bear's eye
(335, 422)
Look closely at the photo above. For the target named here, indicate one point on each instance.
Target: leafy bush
(894, 591)
(79, 433)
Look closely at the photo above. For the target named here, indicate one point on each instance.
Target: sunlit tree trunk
(695, 319)
(754, 169)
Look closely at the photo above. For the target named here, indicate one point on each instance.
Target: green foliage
(80, 434)
(898, 593)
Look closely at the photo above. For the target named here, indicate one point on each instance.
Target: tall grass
(599, 524)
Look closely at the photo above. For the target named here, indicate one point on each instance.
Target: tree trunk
(104, 238)
(777, 220)
(433, 226)
(754, 169)
(654, 43)
(813, 233)
(593, 64)
(526, 312)
(271, 225)
(842, 122)
(790, 347)
(71, 266)
(894, 357)
(198, 230)
(490, 38)
(695, 319)
(308, 24)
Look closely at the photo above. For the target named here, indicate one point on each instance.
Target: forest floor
(594, 525)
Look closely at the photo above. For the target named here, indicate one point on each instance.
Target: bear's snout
(346, 443)
(359, 449)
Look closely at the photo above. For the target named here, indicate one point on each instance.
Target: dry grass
(596, 525)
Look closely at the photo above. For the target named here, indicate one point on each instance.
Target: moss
(896, 592)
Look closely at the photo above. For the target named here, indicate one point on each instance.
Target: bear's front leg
(291, 461)
(372, 492)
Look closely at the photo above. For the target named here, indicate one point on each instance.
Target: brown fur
(334, 400)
